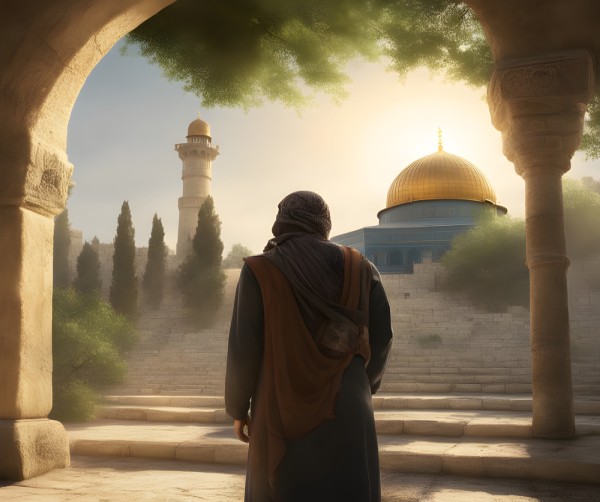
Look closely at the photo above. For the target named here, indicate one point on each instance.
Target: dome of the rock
(440, 176)
(434, 199)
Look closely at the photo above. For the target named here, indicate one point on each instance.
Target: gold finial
(440, 144)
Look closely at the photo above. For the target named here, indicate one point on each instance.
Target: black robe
(339, 459)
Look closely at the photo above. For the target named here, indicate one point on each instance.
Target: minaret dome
(199, 128)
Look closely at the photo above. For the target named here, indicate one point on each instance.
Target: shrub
(488, 263)
(89, 340)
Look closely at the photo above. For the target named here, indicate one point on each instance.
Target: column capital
(539, 104)
(37, 180)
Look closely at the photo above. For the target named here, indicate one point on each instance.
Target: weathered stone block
(26, 314)
(32, 447)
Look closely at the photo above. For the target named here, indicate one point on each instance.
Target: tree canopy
(123, 288)
(154, 275)
(235, 257)
(88, 270)
(200, 277)
(239, 52)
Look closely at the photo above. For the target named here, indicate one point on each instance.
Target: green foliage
(200, 277)
(238, 52)
(442, 35)
(488, 263)
(154, 275)
(582, 217)
(74, 402)
(124, 289)
(88, 270)
(591, 132)
(88, 342)
(62, 243)
(235, 257)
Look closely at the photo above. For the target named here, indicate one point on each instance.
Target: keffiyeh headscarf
(306, 210)
(313, 265)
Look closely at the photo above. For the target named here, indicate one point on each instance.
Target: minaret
(197, 156)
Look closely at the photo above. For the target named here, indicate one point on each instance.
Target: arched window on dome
(396, 258)
(379, 258)
(412, 257)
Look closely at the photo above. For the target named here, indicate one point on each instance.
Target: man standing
(309, 341)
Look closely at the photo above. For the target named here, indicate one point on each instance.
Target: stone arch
(48, 51)
(49, 48)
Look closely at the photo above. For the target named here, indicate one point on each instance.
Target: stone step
(512, 388)
(446, 423)
(381, 401)
(565, 460)
(160, 400)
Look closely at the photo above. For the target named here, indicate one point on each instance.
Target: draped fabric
(315, 269)
(299, 383)
(309, 341)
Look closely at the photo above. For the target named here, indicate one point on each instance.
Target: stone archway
(48, 50)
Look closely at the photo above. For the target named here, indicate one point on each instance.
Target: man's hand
(238, 427)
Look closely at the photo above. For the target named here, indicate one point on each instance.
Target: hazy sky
(128, 118)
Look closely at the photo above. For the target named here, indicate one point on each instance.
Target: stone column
(539, 105)
(33, 189)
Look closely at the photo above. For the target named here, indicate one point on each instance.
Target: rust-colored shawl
(298, 383)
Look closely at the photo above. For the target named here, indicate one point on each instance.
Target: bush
(582, 218)
(488, 263)
(75, 402)
(235, 257)
(89, 340)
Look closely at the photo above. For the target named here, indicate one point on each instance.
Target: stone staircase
(441, 344)
(456, 397)
(483, 435)
(172, 355)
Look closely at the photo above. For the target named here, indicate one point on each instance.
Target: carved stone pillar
(539, 106)
(34, 185)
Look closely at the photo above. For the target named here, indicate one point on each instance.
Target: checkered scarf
(306, 210)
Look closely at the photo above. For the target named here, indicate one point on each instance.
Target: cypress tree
(123, 288)
(62, 243)
(154, 275)
(200, 277)
(88, 270)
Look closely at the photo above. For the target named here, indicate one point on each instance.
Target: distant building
(431, 201)
(197, 155)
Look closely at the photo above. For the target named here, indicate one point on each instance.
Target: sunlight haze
(128, 118)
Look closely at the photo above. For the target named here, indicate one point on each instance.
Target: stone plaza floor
(108, 479)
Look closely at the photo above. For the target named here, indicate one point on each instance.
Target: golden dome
(198, 128)
(440, 175)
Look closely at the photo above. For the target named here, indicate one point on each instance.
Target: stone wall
(442, 343)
